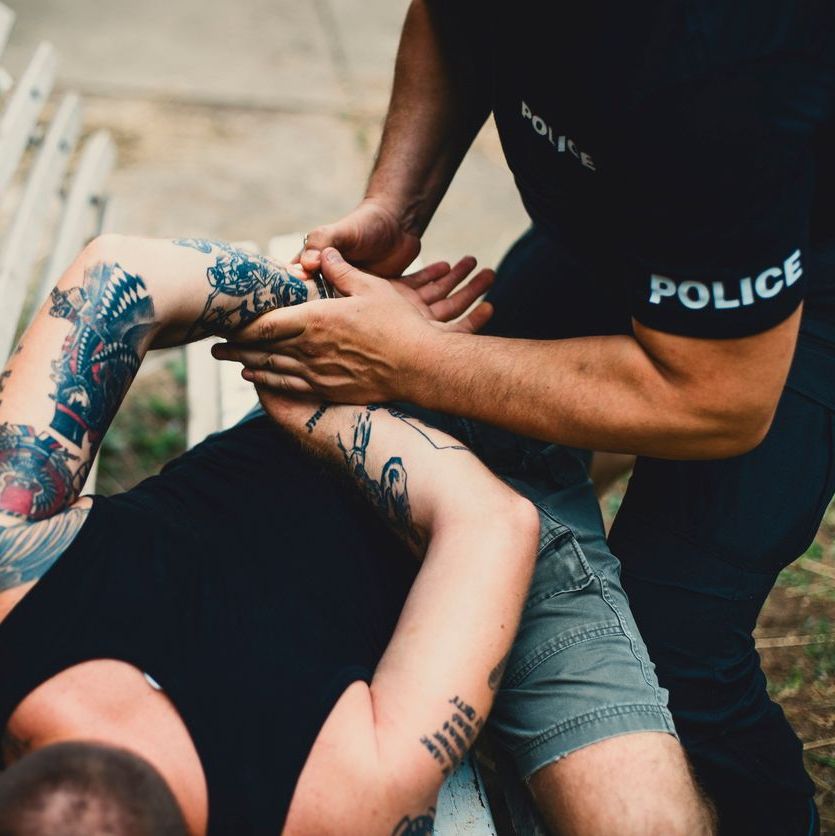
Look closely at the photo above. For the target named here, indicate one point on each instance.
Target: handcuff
(325, 288)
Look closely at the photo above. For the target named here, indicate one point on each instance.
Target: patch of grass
(148, 431)
(792, 577)
(790, 686)
(822, 655)
(823, 760)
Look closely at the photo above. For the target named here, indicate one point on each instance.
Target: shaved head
(81, 789)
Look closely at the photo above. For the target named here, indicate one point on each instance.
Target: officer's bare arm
(653, 393)
(438, 104)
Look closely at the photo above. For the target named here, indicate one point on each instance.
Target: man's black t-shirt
(250, 583)
(683, 148)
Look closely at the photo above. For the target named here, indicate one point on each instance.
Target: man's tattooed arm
(61, 390)
(110, 315)
(242, 286)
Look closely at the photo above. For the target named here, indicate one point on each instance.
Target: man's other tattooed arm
(60, 391)
(240, 286)
(478, 539)
(65, 384)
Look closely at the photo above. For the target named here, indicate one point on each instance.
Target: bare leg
(633, 785)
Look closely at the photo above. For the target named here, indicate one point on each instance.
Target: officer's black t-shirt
(684, 148)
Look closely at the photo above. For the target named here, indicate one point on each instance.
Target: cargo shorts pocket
(561, 566)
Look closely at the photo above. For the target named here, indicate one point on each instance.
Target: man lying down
(226, 648)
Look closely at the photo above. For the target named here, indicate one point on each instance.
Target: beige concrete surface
(250, 118)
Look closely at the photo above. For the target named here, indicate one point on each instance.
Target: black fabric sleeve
(721, 232)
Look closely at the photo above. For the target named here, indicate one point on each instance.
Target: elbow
(523, 521)
(506, 520)
(754, 431)
(734, 431)
(103, 247)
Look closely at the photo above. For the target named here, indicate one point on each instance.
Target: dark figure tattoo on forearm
(450, 743)
(390, 494)
(423, 825)
(261, 285)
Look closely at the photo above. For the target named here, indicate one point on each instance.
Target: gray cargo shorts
(579, 671)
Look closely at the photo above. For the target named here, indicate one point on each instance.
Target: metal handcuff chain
(325, 288)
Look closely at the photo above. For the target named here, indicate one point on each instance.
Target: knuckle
(263, 327)
(317, 237)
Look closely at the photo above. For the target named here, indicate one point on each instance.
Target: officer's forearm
(438, 104)
(600, 393)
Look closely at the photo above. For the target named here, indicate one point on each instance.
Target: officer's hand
(370, 237)
(358, 349)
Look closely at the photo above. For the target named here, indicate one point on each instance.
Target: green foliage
(149, 430)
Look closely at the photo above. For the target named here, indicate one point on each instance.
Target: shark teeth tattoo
(111, 313)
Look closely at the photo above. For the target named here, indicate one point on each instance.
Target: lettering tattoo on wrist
(422, 825)
(314, 419)
(260, 285)
(450, 743)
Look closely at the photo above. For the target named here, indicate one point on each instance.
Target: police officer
(674, 299)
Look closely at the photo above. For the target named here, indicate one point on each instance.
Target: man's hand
(372, 237)
(357, 349)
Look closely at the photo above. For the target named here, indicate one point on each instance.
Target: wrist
(421, 363)
(405, 211)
